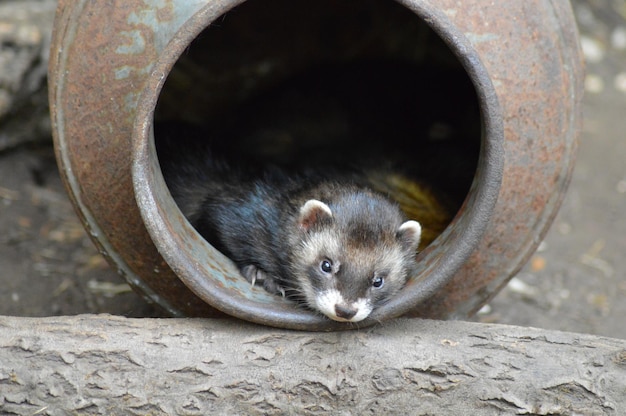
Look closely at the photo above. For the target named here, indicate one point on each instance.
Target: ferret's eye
(378, 281)
(326, 266)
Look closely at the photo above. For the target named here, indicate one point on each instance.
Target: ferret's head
(354, 254)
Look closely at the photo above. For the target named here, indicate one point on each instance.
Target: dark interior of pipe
(309, 83)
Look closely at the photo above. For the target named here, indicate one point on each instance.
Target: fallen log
(109, 365)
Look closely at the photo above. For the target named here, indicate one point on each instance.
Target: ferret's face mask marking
(346, 273)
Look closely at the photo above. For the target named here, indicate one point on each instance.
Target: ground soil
(575, 282)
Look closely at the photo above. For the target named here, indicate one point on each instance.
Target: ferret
(327, 241)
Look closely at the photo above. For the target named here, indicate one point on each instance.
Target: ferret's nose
(345, 312)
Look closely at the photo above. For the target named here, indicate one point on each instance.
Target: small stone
(592, 49)
(485, 310)
(620, 82)
(618, 38)
(594, 84)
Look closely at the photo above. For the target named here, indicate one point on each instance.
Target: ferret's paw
(253, 274)
(273, 287)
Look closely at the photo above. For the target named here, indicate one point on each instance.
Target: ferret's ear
(312, 213)
(409, 234)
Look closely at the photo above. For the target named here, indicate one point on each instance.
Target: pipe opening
(361, 85)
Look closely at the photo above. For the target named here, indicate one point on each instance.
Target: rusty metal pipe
(108, 66)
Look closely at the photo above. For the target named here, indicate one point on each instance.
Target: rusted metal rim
(213, 278)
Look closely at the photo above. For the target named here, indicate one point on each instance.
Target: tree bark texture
(108, 365)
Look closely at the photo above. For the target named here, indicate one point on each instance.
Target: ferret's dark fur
(332, 244)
